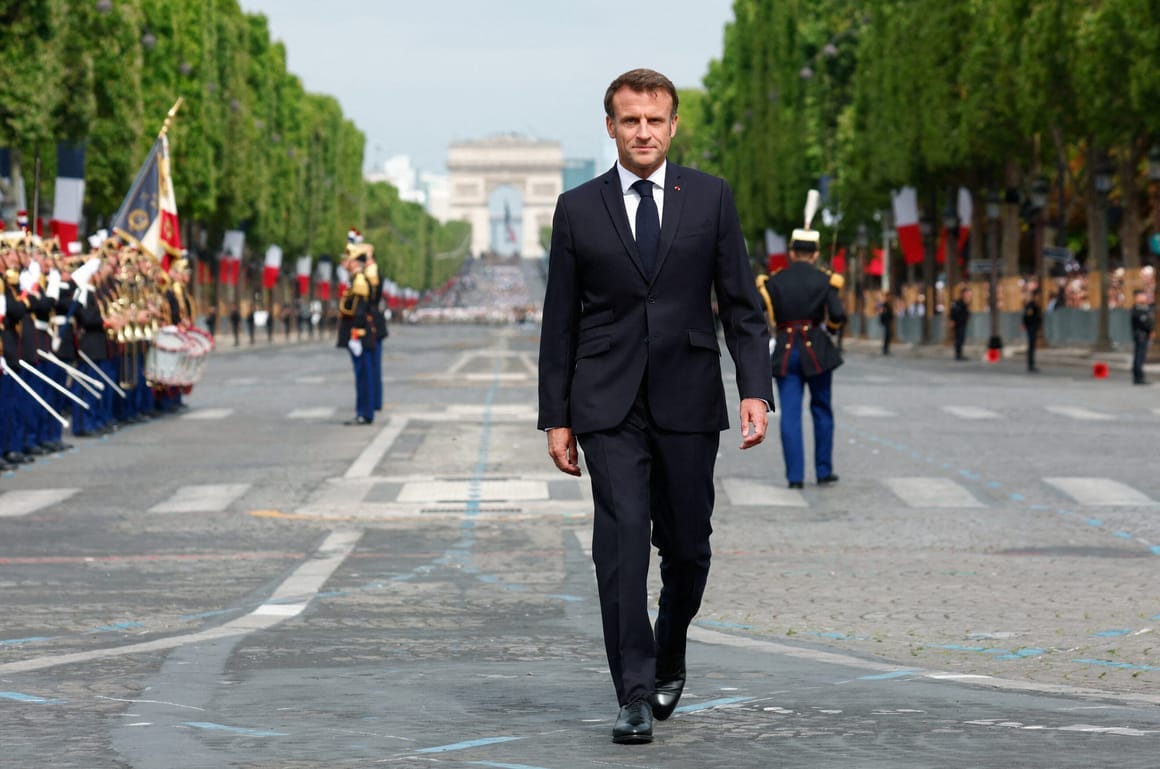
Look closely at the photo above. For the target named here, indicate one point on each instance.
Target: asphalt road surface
(254, 584)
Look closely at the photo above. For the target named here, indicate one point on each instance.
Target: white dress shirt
(632, 198)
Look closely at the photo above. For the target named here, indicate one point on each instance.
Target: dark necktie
(648, 225)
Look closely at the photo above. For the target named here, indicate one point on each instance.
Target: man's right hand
(562, 450)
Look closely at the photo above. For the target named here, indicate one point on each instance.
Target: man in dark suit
(630, 369)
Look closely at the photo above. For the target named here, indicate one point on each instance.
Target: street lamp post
(951, 223)
(887, 218)
(1103, 182)
(862, 241)
(996, 341)
(1154, 245)
(1039, 192)
(926, 226)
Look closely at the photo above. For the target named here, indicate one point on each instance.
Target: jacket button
(652, 300)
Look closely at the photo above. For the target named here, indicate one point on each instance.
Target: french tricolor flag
(775, 252)
(324, 274)
(272, 267)
(69, 194)
(303, 274)
(906, 220)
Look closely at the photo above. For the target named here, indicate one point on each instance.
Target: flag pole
(170, 115)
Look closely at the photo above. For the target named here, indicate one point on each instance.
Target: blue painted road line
(467, 745)
(208, 725)
(503, 766)
(1112, 633)
(709, 704)
(30, 639)
(29, 698)
(1117, 665)
(888, 676)
(727, 625)
(115, 627)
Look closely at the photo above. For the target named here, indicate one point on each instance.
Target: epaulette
(359, 286)
(836, 280)
(372, 272)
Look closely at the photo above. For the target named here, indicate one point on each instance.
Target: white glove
(3, 305)
(355, 346)
(53, 289)
(27, 281)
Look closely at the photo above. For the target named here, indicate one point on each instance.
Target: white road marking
(15, 503)
(242, 381)
(743, 492)
(366, 462)
(311, 380)
(462, 491)
(1100, 491)
(201, 499)
(322, 412)
(970, 412)
(867, 411)
(931, 492)
(297, 590)
(207, 414)
(1078, 412)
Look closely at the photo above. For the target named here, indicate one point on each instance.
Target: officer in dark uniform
(806, 310)
(1142, 324)
(960, 317)
(11, 396)
(356, 333)
(1032, 321)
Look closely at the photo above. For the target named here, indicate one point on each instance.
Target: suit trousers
(648, 485)
(790, 391)
(377, 375)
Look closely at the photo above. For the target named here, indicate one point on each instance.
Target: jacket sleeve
(559, 327)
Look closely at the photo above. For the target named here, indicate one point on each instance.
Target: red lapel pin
(677, 187)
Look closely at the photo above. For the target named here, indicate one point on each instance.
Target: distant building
(428, 189)
(577, 171)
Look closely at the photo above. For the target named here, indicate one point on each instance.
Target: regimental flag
(303, 274)
(272, 267)
(69, 194)
(965, 210)
(148, 215)
(906, 220)
(775, 251)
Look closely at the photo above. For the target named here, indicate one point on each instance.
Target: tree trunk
(1130, 223)
(1013, 177)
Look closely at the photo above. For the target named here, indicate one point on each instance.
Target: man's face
(643, 125)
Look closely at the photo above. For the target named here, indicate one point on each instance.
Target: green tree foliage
(877, 94)
(250, 147)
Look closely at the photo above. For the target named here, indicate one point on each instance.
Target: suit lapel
(614, 203)
(674, 203)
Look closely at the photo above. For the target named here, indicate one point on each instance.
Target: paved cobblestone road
(253, 584)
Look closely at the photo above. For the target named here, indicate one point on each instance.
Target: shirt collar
(628, 177)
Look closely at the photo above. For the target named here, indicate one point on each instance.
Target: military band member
(356, 333)
(805, 305)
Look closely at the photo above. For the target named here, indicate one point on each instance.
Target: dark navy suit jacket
(607, 326)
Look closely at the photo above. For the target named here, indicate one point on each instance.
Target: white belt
(41, 325)
(59, 320)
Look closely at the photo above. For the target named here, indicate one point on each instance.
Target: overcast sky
(415, 75)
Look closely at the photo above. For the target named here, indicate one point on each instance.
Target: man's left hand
(753, 422)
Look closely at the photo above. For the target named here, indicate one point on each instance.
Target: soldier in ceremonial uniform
(804, 303)
(11, 425)
(177, 310)
(379, 322)
(356, 333)
(1142, 327)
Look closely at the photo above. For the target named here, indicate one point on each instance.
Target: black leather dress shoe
(36, 451)
(634, 724)
(831, 478)
(669, 686)
(796, 485)
(357, 421)
(14, 458)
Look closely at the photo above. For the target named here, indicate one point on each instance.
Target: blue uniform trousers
(377, 375)
(363, 384)
(790, 390)
(7, 398)
(59, 401)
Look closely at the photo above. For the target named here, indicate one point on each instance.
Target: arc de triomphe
(533, 167)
